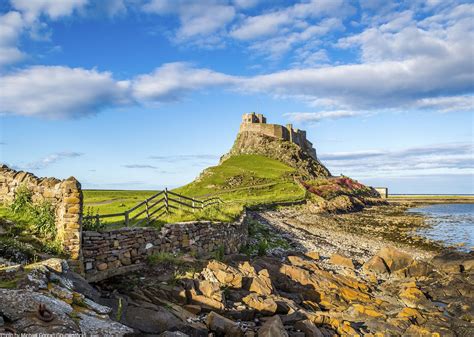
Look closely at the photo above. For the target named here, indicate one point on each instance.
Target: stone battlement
(257, 123)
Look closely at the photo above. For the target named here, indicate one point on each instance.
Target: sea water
(452, 224)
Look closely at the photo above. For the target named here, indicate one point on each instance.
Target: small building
(383, 191)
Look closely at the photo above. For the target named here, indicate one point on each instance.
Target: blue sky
(142, 94)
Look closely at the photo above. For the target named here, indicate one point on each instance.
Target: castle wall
(109, 253)
(281, 132)
(271, 130)
(65, 196)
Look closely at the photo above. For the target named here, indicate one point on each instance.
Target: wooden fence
(154, 207)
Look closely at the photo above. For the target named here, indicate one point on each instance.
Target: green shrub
(90, 223)
(22, 200)
(219, 253)
(44, 219)
(16, 251)
(262, 247)
(164, 257)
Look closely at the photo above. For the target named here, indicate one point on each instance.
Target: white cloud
(50, 159)
(140, 166)
(275, 47)
(322, 115)
(172, 80)
(33, 9)
(59, 92)
(27, 18)
(245, 4)
(11, 27)
(434, 159)
(258, 26)
(447, 104)
(197, 19)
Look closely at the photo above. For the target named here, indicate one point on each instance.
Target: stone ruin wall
(99, 255)
(281, 132)
(114, 252)
(64, 195)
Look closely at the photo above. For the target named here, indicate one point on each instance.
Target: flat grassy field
(240, 181)
(113, 201)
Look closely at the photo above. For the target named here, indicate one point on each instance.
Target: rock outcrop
(49, 298)
(284, 151)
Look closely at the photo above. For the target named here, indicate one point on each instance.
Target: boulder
(413, 297)
(313, 255)
(341, 261)
(173, 334)
(223, 326)
(247, 269)
(292, 318)
(309, 328)
(468, 265)
(417, 269)
(261, 283)
(210, 289)
(376, 264)
(265, 306)
(192, 308)
(273, 327)
(394, 259)
(449, 262)
(225, 274)
(18, 308)
(151, 321)
(300, 262)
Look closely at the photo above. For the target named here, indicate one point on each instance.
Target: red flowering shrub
(333, 187)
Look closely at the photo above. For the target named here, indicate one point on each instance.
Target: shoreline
(431, 199)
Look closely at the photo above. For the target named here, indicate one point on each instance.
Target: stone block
(102, 266)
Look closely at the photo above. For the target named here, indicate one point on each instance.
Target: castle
(257, 123)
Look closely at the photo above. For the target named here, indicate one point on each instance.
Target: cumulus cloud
(197, 19)
(51, 8)
(448, 158)
(447, 103)
(321, 115)
(262, 25)
(302, 25)
(405, 63)
(60, 92)
(11, 27)
(172, 80)
(50, 159)
(26, 17)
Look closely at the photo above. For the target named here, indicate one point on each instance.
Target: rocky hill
(249, 142)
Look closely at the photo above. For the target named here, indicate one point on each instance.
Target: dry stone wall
(115, 252)
(64, 195)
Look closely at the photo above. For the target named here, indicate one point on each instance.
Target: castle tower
(252, 117)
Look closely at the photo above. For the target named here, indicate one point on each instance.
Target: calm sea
(452, 224)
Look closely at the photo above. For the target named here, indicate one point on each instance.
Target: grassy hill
(249, 179)
(241, 180)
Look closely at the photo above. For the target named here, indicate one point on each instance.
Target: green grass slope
(248, 180)
(241, 180)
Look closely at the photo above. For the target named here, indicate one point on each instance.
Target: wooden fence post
(127, 220)
(97, 220)
(166, 201)
(147, 212)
